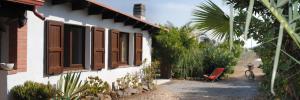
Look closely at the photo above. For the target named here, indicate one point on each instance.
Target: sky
(178, 12)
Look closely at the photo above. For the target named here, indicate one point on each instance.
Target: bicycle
(249, 73)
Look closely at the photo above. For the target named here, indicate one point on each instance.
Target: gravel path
(236, 87)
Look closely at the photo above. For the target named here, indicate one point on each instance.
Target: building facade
(62, 36)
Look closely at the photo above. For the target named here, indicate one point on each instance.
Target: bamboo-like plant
(231, 20)
(271, 12)
(289, 25)
(190, 64)
(70, 87)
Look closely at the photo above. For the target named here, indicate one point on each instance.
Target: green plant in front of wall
(135, 81)
(123, 82)
(32, 91)
(129, 81)
(95, 86)
(70, 87)
(149, 73)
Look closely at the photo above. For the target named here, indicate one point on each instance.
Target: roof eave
(29, 2)
(156, 27)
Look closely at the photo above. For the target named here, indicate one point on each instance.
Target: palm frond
(210, 17)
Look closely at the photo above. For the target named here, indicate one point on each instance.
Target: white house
(46, 38)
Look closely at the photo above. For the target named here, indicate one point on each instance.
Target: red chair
(215, 74)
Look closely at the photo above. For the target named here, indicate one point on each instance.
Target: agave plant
(70, 86)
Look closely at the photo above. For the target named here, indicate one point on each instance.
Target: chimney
(139, 11)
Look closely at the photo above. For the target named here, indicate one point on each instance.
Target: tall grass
(190, 64)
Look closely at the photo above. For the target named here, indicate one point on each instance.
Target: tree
(170, 44)
(287, 84)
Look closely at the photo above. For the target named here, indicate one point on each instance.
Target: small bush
(32, 91)
(149, 72)
(95, 86)
(215, 57)
(128, 81)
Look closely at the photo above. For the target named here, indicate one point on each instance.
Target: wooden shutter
(98, 45)
(54, 47)
(114, 48)
(138, 48)
(13, 32)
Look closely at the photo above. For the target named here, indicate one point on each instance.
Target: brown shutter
(98, 45)
(55, 47)
(138, 48)
(13, 32)
(114, 48)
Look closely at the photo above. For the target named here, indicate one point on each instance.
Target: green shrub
(170, 44)
(216, 57)
(195, 62)
(32, 91)
(236, 50)
(189, 65)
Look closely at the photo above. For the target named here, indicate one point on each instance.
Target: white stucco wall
(63, 13)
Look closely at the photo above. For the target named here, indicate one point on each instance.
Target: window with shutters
(65, 47)
(119, 48)
(124, 48)
(74, 46)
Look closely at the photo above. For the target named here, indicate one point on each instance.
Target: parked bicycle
(249, 73)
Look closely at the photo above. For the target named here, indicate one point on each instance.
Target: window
(119, 48)
(124, 48)
(64, 47)
(74, 46)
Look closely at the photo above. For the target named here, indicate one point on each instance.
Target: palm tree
(210, 17)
